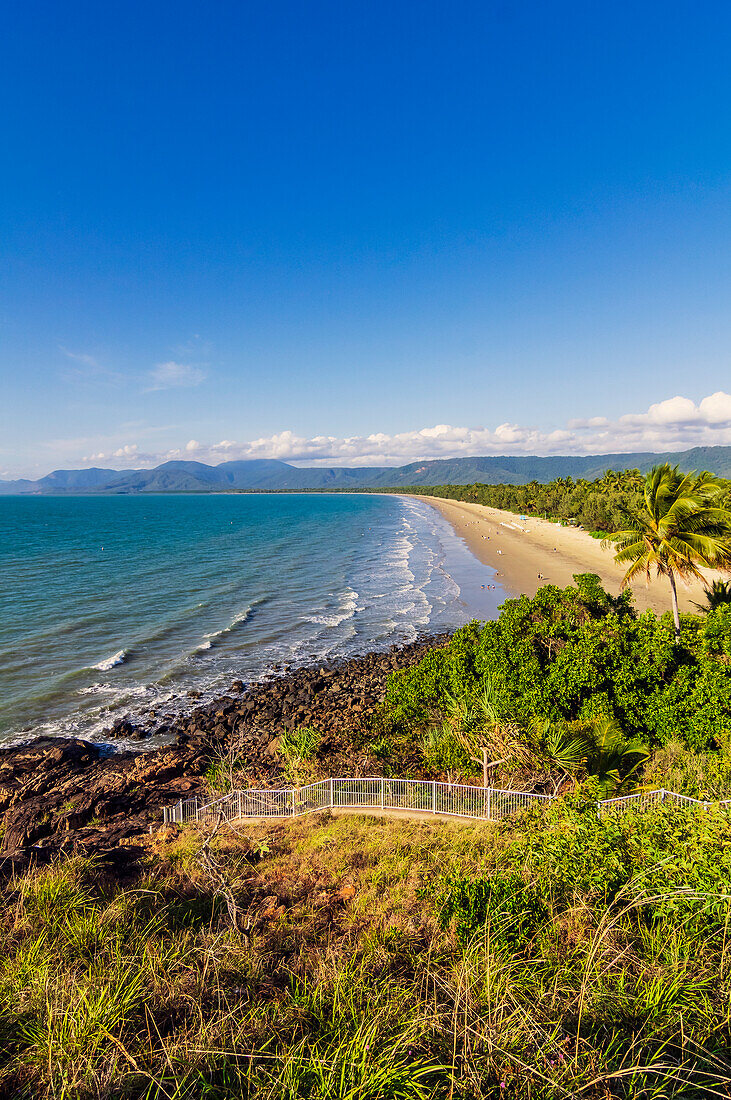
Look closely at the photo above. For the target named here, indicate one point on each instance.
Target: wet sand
(530, 553)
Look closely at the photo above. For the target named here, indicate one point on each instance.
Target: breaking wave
(117, 658)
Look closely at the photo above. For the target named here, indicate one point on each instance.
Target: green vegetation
(559, 953)
(299, 743)
(606, 504)
(298, 746)
(223, 769)
(682, 525)
(553, 956)
(602, 505)
(543, 755)
(718, 594)
(575, 655)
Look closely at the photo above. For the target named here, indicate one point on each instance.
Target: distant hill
(519, 470)
(270, 475)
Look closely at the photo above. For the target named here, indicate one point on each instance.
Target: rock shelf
(62, 794)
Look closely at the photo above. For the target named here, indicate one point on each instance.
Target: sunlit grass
(307, 959)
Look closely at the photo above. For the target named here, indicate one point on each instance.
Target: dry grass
(307, 959)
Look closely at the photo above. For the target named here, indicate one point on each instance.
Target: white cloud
(716, 409)
(670, 425)
(88, 370)
(172, 375)
(80, 357)
(674, 424)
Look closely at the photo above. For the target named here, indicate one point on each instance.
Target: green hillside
(274, 476)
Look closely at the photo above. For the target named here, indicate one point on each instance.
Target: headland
(68, 795)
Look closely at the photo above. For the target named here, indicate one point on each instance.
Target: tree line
(604, 505)
(668, 524)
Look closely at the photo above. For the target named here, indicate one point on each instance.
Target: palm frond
(567, 748)
(684, 525)
(718, 594)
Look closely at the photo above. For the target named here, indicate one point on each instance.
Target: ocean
(119, 605)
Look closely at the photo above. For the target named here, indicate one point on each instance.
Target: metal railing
(643, 799)
(406, 795)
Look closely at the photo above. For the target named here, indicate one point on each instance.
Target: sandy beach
(530, 553)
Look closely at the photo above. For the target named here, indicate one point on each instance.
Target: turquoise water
(117, 605)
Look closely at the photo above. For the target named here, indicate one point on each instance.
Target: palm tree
(566, 749)
(718, 595)
(614, 759)
(481, 731)
(631, 479)
(683, 524)
(594, 746)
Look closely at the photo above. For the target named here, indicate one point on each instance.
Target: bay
(115, 605)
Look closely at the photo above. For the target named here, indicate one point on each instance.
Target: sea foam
(117, 658)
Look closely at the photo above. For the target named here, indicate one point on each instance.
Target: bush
(513, 910)
(579, 653)
(300, 743)
(703, 775)
(664, 867)
(443, 750)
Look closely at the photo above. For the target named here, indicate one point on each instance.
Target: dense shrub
(704, 775)
(580, 653)
(513, 909)
(659, 865)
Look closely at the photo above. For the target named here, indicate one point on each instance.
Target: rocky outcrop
(58, 794)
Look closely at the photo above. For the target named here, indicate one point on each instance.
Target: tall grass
(299, 743)
(345, 973)
(298, 746)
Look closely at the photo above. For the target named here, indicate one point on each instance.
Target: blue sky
(362, 233)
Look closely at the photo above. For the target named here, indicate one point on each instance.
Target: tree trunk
(676, 616)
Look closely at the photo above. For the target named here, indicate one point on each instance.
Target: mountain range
(270, 475)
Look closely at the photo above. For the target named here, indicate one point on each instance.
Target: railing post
(236, 800)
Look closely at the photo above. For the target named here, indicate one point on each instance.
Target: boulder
(68, 794)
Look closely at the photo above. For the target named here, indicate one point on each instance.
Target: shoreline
(529, 554)
(69, 795)
(243, 622)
